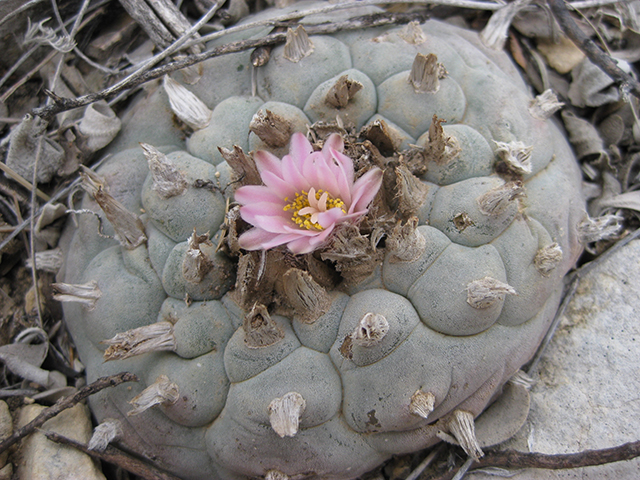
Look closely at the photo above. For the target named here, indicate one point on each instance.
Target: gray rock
(42, 459)
(587, 393)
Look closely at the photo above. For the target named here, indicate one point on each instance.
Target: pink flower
(304, 196)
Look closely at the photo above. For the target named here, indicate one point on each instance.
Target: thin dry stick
(369, 21)
(32, 234)
(425, 463)
(17, 11)
(588, 458)
(67, 402)
(590, 49)
(115, 457)
(515, 460)
(18, 178)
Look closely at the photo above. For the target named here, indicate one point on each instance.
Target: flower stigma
(307, 206)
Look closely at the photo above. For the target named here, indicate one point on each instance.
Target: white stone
(587, 394)
(42, 459)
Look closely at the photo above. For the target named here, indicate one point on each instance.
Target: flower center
(308, 205)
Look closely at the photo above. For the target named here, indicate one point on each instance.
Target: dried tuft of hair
(342, 92)
(160, 392)
(371, 329)
(426, 73)
(547, 258)
(521, 378)
(462, 427)
(309, 299)
(285, 412)
(168, 181)
(88, 294)
(105, 433)
(298, 44)
(406, 243)
(461, 221)
(516, 156)
(498, 199)
(260, 330)
(275, 475)
(355, 255)
(410, 191)
(47, 260)
(187, 107)
(412, 33)
(601, 228)
(545, 105)
(485, 292)
(157, 337)
(128, 227)
(196, 263)
(442, 148)
(271, 128)
(422, 403)
(244, 166)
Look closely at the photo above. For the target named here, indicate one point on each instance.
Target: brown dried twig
(588, 458)
(515, 460)
(590, 49)
(115, 457)
(67, 402)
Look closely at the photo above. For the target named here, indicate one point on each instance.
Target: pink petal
(365, 189)
(300, 246)
(319, 175)
(303, 232)
(256, 194)
(266, 208)
(309, 244)
(293, 175)
(330, 217)
(352, 216)
(342, 168)
(317, 241)
(279, 186)
(299, 148)
(255, 215)
(255, 238)
(268, 162)
(345, 163)
(273, 223)
(334, 142)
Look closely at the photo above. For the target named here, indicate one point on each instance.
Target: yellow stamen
(307, 206)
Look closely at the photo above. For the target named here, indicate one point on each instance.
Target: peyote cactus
(361, 285)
